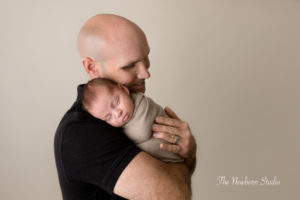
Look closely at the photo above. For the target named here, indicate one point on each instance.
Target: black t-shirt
(90, 155)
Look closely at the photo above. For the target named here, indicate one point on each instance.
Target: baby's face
(113, 106)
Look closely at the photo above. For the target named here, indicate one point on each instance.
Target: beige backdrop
(229, 67)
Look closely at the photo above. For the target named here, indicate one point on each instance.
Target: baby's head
(107, 100)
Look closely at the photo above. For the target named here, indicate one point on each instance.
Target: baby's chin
(119, 124)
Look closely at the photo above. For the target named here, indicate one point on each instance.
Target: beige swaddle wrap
(139, 128)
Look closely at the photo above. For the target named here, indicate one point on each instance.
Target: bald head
(103, 31)
(115, 48)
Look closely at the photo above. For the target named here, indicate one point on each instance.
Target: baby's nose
(118, 112)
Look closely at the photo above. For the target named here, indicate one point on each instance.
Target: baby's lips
(125, 117)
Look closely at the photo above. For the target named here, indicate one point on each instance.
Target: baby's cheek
(115, 124)
(131, 109)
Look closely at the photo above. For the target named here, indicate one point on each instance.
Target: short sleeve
(96, 153)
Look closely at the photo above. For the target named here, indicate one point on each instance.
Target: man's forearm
(183, 177)
(148, 178)
(185, 171)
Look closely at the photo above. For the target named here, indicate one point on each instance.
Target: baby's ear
(123, 88)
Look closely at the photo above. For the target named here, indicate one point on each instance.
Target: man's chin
(138, 89)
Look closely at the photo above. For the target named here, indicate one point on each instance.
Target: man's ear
(124, 88)
(91, 68)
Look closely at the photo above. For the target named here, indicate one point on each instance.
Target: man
(97, 161)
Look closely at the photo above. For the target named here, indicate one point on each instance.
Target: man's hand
(148, 178)
(178, 133)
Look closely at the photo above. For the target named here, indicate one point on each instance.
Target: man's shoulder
(79, 120)
(77, 124)
(74, 115)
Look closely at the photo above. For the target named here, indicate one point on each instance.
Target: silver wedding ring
(176, 139)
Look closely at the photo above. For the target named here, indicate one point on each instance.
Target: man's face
(113, 106)
(127, 62)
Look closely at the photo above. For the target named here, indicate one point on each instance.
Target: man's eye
(128, 67)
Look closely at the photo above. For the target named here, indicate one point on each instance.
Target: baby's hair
(89, 90)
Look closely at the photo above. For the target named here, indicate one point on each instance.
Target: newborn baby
(112, 102)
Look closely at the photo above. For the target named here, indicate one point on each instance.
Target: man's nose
(143, 72)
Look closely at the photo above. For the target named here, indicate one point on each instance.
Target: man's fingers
(171, 138)
(168, 121)
(165, 129)
(171, 113)
(170, 147)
